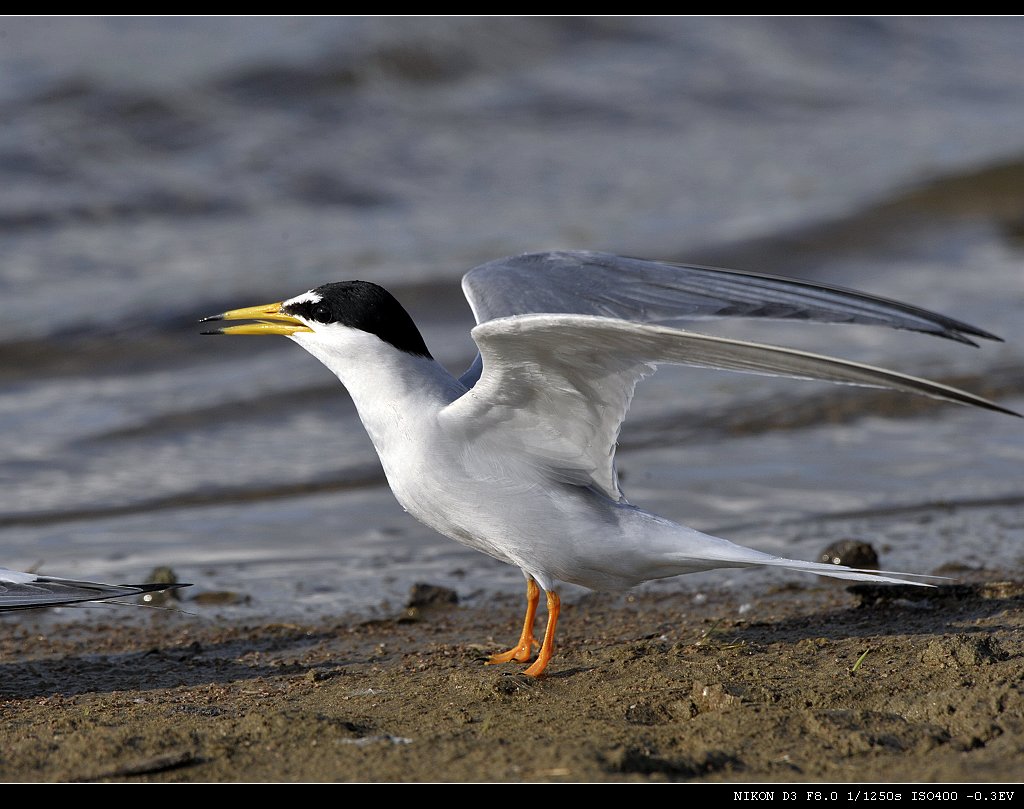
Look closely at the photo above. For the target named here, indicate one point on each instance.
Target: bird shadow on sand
(890, 610)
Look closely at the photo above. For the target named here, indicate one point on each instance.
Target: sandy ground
(815, 682)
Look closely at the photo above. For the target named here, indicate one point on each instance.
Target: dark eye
(322, 313)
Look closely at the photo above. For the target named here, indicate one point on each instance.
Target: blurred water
(154, 171)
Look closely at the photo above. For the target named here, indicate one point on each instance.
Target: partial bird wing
(23, 591)
(558, 386)
(588, 283)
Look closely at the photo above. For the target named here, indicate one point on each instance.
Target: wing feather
(21, 591)
(606, 285)
(558, 387)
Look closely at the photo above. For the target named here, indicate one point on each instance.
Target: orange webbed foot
(523, 651)
(520, 654)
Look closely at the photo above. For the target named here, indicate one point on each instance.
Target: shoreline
(812, 683)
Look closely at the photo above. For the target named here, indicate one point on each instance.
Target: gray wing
(23, 591)
(557, 387)
(587, 283)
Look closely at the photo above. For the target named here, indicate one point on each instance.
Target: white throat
(396, 393)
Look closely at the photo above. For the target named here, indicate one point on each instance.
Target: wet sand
(813, 682)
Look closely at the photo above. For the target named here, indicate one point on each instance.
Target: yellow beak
(269, 320)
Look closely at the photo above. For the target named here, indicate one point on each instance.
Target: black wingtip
(956, 337)
(984, 335)
(998, 408)
(957, 329)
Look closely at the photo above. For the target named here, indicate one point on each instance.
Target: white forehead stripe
(305, 297)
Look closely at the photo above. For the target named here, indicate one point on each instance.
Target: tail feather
(850, 573)
(706, 552)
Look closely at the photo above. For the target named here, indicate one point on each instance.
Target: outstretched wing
(606, 285)
(23, 591)
(557, 387)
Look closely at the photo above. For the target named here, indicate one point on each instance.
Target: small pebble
(851, 553)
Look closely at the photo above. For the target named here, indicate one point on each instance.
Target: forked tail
(697, 551)
(850, 573)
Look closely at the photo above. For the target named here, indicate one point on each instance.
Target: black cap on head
(365, 306)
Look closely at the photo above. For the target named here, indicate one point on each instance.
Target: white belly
(551, 530)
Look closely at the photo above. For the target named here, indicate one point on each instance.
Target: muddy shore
(811, 682)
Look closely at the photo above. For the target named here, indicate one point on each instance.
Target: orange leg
(548, 647)
(523, 650)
